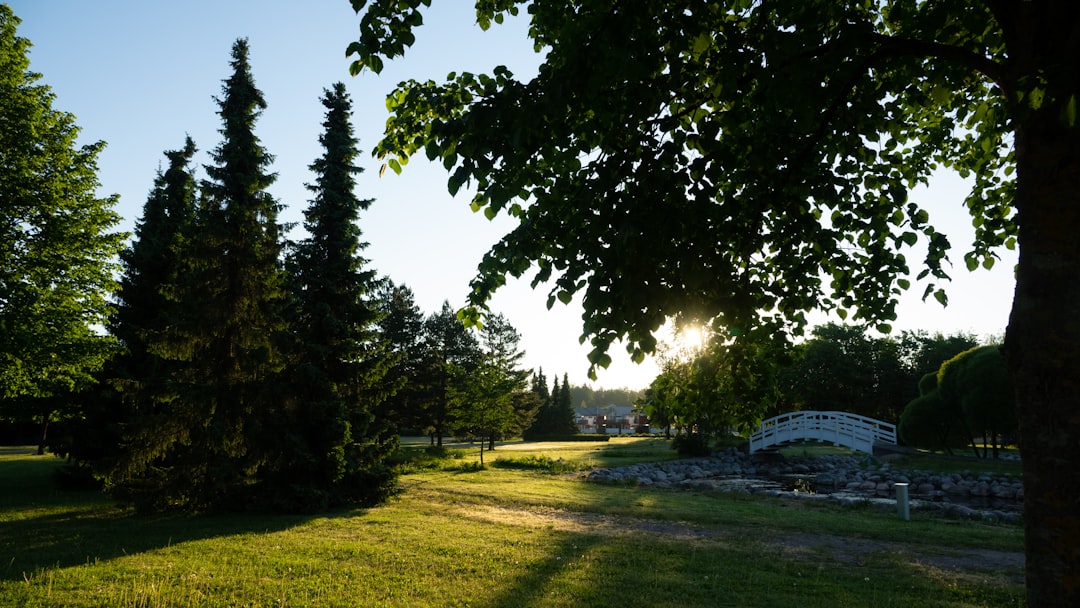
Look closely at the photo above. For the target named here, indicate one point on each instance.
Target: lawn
(526, 532)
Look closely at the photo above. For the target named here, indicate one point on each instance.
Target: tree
(57, 248)
(451, 354)
(493, 400)
(137, 379)
(401, 324)
(750, 161)
(332, 443)
(843, 368)
(564, 417)
(931, 422)
(976, 384)
(726, 385)
(206, 448)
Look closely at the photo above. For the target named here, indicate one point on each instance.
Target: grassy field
(525, 531)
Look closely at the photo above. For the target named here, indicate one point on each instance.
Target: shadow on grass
(42, 527)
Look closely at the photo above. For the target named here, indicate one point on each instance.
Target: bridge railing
(839, 428)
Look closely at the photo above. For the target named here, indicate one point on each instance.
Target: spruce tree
(241, 328)
(335, 443)
(564, 419)
(205, 447)
(138, 378)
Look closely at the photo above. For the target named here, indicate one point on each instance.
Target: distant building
(611, 419)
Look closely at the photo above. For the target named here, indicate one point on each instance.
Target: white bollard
(902, 508)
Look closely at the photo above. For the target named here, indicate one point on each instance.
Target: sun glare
(690, 338)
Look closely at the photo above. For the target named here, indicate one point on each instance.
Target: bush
(691, 444)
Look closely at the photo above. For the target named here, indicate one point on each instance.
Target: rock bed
(844, 479)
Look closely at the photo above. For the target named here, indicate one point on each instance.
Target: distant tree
(57, 248)
(587, 398)
(929, 421)
(841, 367)
(925, 352)
(836, 369)
(451, 354)
(486, 405)
(565, 420)
(539, 385)
(332, 443)
(402, 326)
(976, 383)
(726, 386)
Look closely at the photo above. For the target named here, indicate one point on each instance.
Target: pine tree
(56, 249)
(335, 443)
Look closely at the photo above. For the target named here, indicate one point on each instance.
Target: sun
(690, 337)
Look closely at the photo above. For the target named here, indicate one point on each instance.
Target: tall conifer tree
(239, 331)
(341, 359)
(206, 448)
(137, 380)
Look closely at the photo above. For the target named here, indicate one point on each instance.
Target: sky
(140, 75)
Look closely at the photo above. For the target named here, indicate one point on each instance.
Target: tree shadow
(44, 528)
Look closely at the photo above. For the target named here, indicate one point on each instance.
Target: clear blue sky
(141, 74)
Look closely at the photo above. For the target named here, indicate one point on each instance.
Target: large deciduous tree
(748, 161)
(57, 245)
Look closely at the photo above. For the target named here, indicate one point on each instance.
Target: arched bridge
(839, 428)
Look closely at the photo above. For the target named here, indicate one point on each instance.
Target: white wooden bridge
(839, 428)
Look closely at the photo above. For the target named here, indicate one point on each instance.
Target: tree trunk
(44, 433)
(1042, 347)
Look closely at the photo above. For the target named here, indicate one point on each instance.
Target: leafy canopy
(739, 161)
(57, 244)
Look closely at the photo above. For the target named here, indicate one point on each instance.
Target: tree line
(732, 385)
(238, 369)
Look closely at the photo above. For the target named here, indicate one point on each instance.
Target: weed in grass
(470, 467)
(540, 463)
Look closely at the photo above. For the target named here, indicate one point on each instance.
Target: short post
(902, 508)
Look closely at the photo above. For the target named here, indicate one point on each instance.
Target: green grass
(523, 533)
